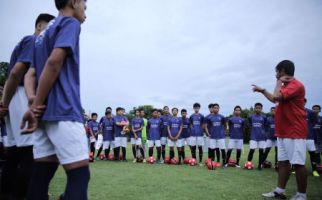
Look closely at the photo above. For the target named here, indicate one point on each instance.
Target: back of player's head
(44, 17)
(258, 104)
(60, 4)
(183, 110)
(236, 107)
(287, 66)
(210, 105)
(196, 105)
(94, 115)
(216, 105)
(316, 106)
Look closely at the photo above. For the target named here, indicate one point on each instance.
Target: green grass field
(127, 180)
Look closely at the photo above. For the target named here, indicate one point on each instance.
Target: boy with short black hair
(318, 133)
(271, 138)
(185, 134)
(144, 132)
(137, 126)
(257, 124)
(120, 137)
(93, 128)
(61, 137)
(196, 139)
(153, 128)
(18, 167)
(107, 127)
(164, 131)
(236, 126)
(215, 129)
(175, 129)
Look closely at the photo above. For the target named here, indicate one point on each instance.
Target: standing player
(257, 124)
(185, 134)
(93, 128)
(211, 111)
(144, 134)
(18, 167)
(61, 137)
(196, 138)
(236, 128)
(101, 147)
(318, 133)
(107, 127)
(120, 137)
(154, 134)
(290, 129)
(164, 131)
(216, 122)
(311, 119)
(175, 129)
(137, 126)
(271, 139)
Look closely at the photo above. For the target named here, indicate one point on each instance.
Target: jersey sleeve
(290, 91)
(68, 35)
(26, 50)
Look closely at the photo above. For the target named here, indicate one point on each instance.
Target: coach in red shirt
(290, 129)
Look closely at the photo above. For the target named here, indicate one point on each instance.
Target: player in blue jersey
(236, 126)
(174, 137)
(107, 127)
(185, 134)
(318, 132)
(257, 124)
(164, 131)
(197, 132)
(137, 126)
(153, 129)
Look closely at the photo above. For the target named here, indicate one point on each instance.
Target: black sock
(24, 171)
(179, 155)
(209, 153)
(276, 156)
(150, 151)
(99, 152)
(117, 153)
(77, 183)
(183, 154)
(223, 152)
(41, 176)
(318, 159)
(163, 151)
(134, 151)
(9, 170)
(313, 160)
(200, 153)
(158, 153)
(124, 153)
(217, 154)
(93, 148)
(238, 156)
(250, 155)
(228, 155)
(267, 150)
(107, 152)
(193, 152)
(142, 152)
(171, 153)
(260, 157)
(212, 154)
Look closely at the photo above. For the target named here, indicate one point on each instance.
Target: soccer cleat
(161, 162)
(134, 160)
(274, 194)
(144, 161)
(226, 165)
(200, 164)
(316, 174)
(298, 197)
(238, 166)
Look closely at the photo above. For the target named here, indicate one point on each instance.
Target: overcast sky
(177, 52)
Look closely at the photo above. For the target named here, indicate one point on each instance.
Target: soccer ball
(193, 162)
(174, 161)
(207, 160)
(102, 156)
(267, 164)
(210, 165)
(232, 163)
(249, 165)
(167, 160)
(217, 164)
(151, 160)
(186, 161)
(110, 157)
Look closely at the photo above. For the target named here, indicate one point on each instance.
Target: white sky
(177, 52)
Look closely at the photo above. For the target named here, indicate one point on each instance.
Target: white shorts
(217, 143)
(108, 144)
(236, 144)
(185, 141)
(137, 141)
(197, 141)
(17, 108)
(270, 143)
(293, 150)
(152, 143)
(120, 142)
(99, 141)
(310, 145)
(66, 139)
(257, 144)
(178, 143)
(163, 140)
(92, 139)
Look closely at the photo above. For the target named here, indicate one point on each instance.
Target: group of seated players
(163, 129)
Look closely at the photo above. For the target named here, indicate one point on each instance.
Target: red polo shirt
(290, 116)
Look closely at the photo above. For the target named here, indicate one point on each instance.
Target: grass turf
(127, 180)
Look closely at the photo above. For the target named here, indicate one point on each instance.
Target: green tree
(3, 75)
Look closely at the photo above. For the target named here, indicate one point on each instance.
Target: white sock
(279, 190)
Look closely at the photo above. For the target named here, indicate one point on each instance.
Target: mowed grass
(127, 180)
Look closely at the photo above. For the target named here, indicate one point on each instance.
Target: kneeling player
(154, 134)
(236, 126)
